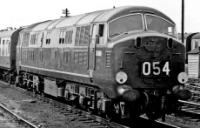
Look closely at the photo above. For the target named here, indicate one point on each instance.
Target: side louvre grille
(108, 56)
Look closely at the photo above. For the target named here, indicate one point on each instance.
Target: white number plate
(155, 68)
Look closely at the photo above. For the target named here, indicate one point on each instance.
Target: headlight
(121, 77)
(182, 77)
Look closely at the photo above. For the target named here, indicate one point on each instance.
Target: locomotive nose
(149, 61)
(153, 44)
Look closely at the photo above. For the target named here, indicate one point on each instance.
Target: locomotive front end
(149, 64)
(150, 69)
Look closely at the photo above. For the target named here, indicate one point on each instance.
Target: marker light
(121, 77)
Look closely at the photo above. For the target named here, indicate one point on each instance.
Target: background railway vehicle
(8, 43)
(120, 62)
(192, 41)
(192, 48)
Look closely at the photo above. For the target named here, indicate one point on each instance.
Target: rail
(31, 125)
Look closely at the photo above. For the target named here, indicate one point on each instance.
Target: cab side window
(101, 33)
(101, 30)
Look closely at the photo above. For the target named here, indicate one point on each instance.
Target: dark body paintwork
(79, 60)
(124, 56)
(129, 58)
(88, 69)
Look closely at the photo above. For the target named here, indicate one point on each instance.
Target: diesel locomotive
(120, 62)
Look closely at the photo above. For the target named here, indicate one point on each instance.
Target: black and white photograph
(100, 64)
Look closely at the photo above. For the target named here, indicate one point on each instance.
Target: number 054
(155, 68)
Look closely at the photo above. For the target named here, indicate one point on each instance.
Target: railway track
(72, 113)
(100, 122)
(23, 123)
(195, 89)
(190, 108)
(155, 124)
(188, 116)
(93, 121)
(80, 115)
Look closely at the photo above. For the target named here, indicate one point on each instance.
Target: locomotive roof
(196, 36)
(7, 33)
(97, 16)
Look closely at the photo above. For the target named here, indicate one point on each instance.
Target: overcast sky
(15, 13)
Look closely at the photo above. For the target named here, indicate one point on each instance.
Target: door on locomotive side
(92, 49)
(97, 38)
